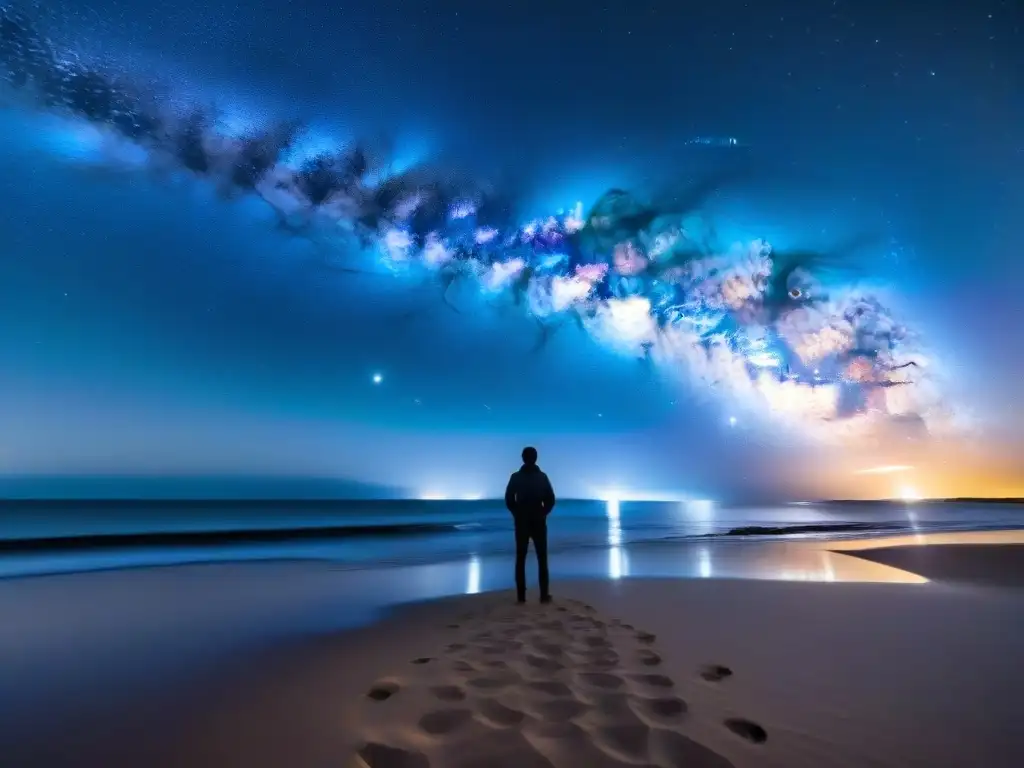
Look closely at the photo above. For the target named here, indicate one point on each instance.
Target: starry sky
(150, 328)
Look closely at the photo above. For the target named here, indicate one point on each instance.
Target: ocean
(39, 537)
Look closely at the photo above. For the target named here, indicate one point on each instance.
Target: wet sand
(658, 672)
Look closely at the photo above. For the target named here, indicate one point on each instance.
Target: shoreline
(217, 537)
(835, 675)
(798, 556)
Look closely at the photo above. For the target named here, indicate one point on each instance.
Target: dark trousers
(528, 530)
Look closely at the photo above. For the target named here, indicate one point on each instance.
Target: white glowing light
(377, 378)
(732, 421)
(430, 496)
(618, 563)
(566, 291)
(909, 493)
(764, 360)
(502, 273)
(704, 567)
(397, 244)
(473, 575)
(613, 509)
(618, 560)
(435, 253)
(485, 235)
(574, 221)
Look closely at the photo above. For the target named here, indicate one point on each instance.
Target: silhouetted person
(530, 499)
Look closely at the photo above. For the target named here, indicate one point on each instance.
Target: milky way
(771, 332)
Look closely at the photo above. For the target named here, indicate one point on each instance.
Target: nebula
(771, 332)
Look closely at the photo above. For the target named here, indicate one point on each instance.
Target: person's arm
(549, 496)
(510, 495)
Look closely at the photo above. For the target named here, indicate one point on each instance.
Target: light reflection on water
(224, 603)
(704, 561)
(618, 558)
(699, 515)
(281, 597)
(473, 575)
(481, 528)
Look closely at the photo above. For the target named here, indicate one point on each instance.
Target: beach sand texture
(899, 673)
(532, 686)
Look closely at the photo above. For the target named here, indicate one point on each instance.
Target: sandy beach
(628, 672)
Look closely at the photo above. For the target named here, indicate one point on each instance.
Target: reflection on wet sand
(618, 558)
(954, 537)
(205, 612)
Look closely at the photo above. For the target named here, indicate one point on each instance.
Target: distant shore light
(908, 493)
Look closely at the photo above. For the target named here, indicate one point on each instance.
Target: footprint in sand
(444, 721)
(648, 658)
(382, 756)
(551, 650)
(382, 691)
(544, 664)
(747, 729)
(652, 681)
(557, 710)
(551, 688)
(489, 683)
(601, 663)
(664, 708)
(448, 693)
(601, 680)
(496, 714)
(612, 708)
(537, 687)
(715, 673)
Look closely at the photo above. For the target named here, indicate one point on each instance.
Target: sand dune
(537, 687)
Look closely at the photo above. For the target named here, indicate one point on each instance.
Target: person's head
(529, 456)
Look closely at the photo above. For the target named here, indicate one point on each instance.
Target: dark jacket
(529, 495)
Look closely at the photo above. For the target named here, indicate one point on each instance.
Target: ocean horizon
(53, 536)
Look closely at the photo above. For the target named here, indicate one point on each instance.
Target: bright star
(732, 421)
(377, 378)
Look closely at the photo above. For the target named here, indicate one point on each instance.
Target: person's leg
(522, 546)
(540, 546)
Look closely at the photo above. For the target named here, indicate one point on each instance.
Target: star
(377, 378)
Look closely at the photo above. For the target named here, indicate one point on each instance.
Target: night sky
(154, 327)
